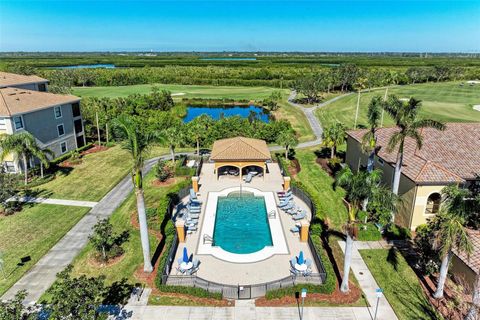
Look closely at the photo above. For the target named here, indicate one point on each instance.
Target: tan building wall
(411, 210)
(462, 272)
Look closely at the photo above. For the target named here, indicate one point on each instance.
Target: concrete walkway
(367, 281)
(245, 313)
(42, 275)
(62, 202)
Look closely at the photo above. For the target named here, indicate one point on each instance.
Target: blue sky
(433, 26)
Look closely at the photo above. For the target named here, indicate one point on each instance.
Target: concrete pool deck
(273, 268)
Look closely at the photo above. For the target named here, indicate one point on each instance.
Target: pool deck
(273, 268)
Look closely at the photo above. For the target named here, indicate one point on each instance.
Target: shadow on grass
(392, 258)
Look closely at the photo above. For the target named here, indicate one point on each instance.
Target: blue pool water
(227, 111)
(88, 66)
(241, 224)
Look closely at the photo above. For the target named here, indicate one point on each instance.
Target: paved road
(312, 120)
(42, 275)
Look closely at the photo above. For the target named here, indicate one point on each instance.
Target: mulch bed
(94, 149)
(158, 183)
(93, 261)
(294, 167)
(337, 297)
(323, 162)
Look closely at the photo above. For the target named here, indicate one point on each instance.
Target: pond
(226, 111)
(88, 66)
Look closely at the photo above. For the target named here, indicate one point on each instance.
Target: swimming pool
(241, 223)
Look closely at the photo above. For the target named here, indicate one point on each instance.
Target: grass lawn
(446, 101)
(399, 283)
(319, 183)
(297, 119)
(94, 177)
(181, 91)
(133, 256)
(32, 232)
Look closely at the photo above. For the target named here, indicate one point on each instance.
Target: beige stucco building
(446, 157)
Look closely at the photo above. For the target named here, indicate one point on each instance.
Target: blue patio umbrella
(300, 258)
(185, 255)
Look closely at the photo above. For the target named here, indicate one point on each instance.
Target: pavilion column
(195, 184)
(305, 226)
(180, 226)
(286, 183)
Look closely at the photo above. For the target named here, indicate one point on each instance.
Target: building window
(42, 87)
(78, 125)
(433, 203)
(9, 166)
(76, 109)
(61, 130)
(63, 147)
(18, 121)
(58, 112)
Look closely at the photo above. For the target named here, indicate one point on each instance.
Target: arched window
(433, 203)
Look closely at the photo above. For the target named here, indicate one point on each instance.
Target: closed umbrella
(300, 258)
(185, 255)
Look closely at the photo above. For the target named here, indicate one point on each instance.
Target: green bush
(331, 281)
(316, 229)
(182, 171)
(394, 232)
(193, 291)
(67, 155)
(368, 232)
(163, 171)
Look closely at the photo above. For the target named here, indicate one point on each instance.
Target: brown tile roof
(240, 148)
(472, 261)
(12, 79)
(451, 155)
(16, 101)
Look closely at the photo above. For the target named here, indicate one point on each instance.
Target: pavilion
(241, 153)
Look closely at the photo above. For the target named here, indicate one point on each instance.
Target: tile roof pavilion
(240, 148)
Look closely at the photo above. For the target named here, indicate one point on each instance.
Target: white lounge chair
(300, 216)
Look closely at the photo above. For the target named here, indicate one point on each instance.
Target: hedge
(193, 291)
(70, 153)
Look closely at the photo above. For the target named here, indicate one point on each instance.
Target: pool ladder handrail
(207, 238)
(272, 214)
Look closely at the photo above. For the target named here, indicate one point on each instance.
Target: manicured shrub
(163, 171)
(394, 232)
(331, 280)
(193, 291)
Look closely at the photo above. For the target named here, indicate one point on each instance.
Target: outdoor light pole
(378, 292)
(304, 295)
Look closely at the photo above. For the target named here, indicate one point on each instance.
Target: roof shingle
(240, 148)
(12, 79)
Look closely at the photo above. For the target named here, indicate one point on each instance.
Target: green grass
(399, 283)
(297, 119)
(32, 232)
(93, 178)
(206, 92)
(446, 101)
(120, 219)
(320, 185)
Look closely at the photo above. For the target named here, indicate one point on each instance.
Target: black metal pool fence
(249, 291)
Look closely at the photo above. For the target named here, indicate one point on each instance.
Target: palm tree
(197, 129)
(172, 137)
(359, 187)
(333, 136)
(24, 146)
(369, 139)
(137, 142)
(287, 139)
(473, 311)
(406, 119)
(451, 235)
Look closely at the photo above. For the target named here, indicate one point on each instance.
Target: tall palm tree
(359, 186)
(172, 137)
(405, 115)
(287, 139)
(369, 139)
(197, 129)
(451, 235)
(333, 136)
(24, 146)
(137, 142)
(472, 313)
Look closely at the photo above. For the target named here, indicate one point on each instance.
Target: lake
(88, 66)
(226, 111)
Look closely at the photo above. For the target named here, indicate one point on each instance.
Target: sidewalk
(367, 281)
(62, 202)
